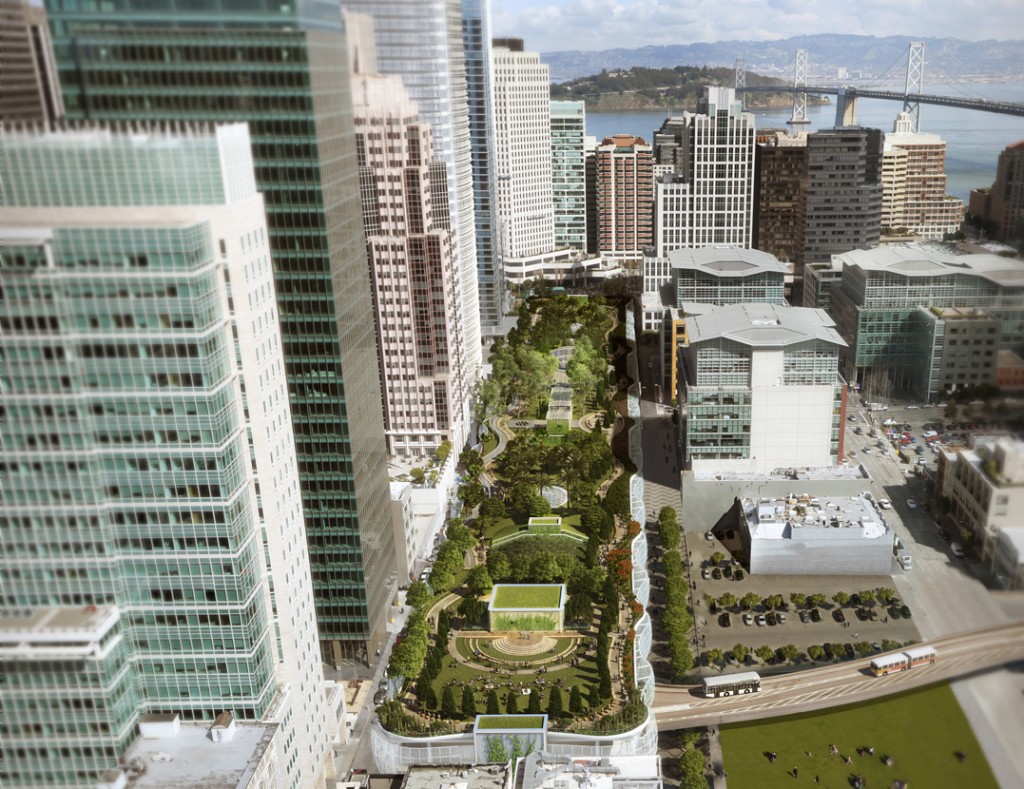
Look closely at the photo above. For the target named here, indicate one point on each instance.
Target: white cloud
(555, 25)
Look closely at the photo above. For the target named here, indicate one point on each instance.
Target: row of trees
(445, 573)
(752, 600)
(677, 619)
(787, 653)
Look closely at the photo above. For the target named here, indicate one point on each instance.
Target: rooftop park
(529, 609)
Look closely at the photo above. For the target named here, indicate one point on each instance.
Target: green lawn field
(921, 730)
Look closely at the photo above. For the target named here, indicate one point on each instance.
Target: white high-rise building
(569, 172)
(707, 198)
(914, 183)
(151, 506)
(522, 126)
(422, 42)
(413, 268)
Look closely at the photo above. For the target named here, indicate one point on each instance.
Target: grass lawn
(921, 730)
(506, 526)
(526, 596)
(458, 675)
(510, 722)
(491, 442)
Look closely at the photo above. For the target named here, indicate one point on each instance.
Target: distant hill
(640, 88)
(946, 59)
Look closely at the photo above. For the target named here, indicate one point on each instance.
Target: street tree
(798, 600)
(841, 598)
(764, 653)
(740, 653)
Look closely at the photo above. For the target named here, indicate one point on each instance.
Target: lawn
(506, 526)
(921, 731)
(456, 674)
(527, 596)
(509, 722)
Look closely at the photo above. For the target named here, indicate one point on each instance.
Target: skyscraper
(778, 183)
(422, 42)
(476, 40)
(29, 89)
(842, 194)
(522, 122)
(623, 196)
(568, 173)
(914, 183)
(413, 269)
(283, 70)
(1006, 198)
(707, 196)
(151, 499)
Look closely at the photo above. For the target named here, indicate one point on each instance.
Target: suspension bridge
(912, 95)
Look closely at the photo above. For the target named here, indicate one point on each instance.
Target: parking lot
(713, 633)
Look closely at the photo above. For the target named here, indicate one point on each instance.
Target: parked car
(761, 620)
(380, 697)
(709, 536)
(805, 617)
(862, 614)
(905, 611)
(851, 653)
(772, 619)
(716, 574)
(706, 573)
(748, 619)
(957, 549)
(911, 504)
(885, 504)
(725, 620)
(839, 616)
(815, 615)
(859, 431)
(894, 612)
(780, 618)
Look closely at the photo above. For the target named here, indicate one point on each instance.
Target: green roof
(497, 722)
(526, 596)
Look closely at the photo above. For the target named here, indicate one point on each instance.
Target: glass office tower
(151, 525)
(282, 68)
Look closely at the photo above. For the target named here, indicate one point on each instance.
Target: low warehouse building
(803, 535)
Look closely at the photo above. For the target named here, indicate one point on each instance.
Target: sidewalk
(715, 756)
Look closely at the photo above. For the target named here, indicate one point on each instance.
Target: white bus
(902, 661)
(732, 684)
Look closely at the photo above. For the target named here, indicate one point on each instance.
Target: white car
(911, 504)
(885, 504)
(913, 407)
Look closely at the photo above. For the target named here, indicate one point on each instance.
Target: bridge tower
(741, 81)
(799, 81)
(915, 83)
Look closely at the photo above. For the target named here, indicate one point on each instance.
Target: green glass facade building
(148, 462)
(282, 68)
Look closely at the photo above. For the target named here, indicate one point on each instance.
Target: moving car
(885, 504)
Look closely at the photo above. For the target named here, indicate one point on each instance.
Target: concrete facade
(704, 192)
(414, 270)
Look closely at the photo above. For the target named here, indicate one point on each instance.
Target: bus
(732, 684)
(902, 661)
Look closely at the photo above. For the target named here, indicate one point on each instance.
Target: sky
(558, 25)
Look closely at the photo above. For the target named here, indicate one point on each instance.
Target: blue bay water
(973, 139)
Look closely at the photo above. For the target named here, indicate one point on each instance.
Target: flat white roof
(769, 518)
(198, 762)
